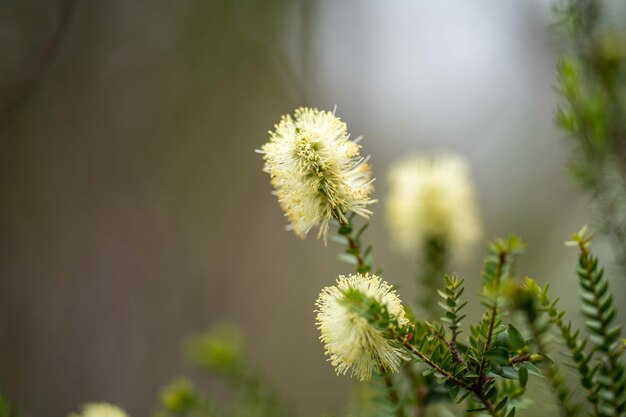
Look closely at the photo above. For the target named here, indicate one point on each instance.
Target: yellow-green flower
(350, 340)
(431, 198)
(316, 170)
(100, 410)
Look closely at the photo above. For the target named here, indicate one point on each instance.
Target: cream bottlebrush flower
(316, 170)
(349, 339)
(431, 197)
(100, 410)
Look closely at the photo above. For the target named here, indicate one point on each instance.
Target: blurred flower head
(100, 410)
(431, 198)
(316, 170)
(351, 339)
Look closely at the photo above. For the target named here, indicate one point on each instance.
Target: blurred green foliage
(220, 350)
(6, 408)
(592, 84)
(220, 353)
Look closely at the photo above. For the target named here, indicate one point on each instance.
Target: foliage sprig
(599, 311)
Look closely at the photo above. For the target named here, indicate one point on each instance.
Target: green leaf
(349, 259)
(532, 370)
(338, 239)
(516, 340)
(345, 229)
(509, 372)
(498, 356)
(523, 376)
(501, 404)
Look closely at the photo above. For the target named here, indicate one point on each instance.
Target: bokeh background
(133, 209)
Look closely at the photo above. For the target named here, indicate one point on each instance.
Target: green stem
(393, 395)
(433, 267)
(421, 391)
(553, 374)
(434, 366)
(451, 344)
(502, 258)
(490, 407)
(354, 246)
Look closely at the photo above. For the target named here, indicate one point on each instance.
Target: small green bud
(219, 350)
(179, 397)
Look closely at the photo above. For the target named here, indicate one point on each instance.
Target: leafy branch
(576, 344)
(452, 307)
(598, 308)
(533, 302)
(498, 266)
(597, 357)
(464, 369)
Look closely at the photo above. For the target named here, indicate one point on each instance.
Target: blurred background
(133, 209)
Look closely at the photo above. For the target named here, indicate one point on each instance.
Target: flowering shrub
(365, 327)
(413, 357)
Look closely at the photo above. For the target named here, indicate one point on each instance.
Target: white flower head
(100, 410)
(431, 197)
(316, 170)
(349, 339)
